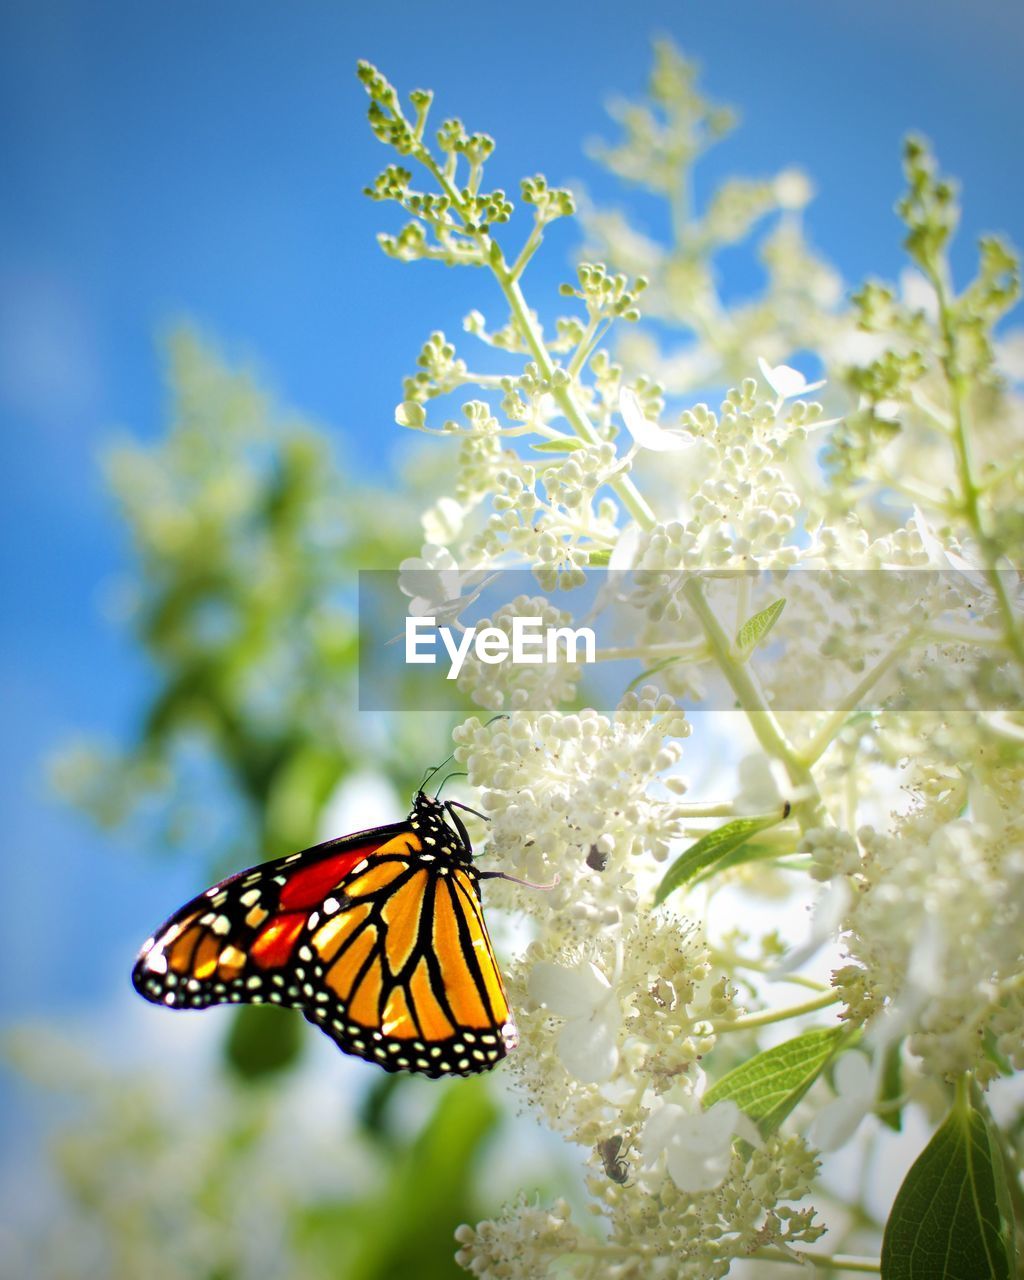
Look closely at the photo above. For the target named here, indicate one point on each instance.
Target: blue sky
(206, 161)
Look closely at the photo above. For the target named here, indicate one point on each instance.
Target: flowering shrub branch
(901, 794)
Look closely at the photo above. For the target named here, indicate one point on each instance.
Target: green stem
(779, 1015)
(751, 698)
(735, 961)
(950, 635)
(486, 381)
(838, 1262)
(937, 415)
(632, 499)
(584, 347)
(918, 493)
(969, 489)
(698, 809)
(798, 980)
(962, 1096)
(822, 740)
(531, 246)
(583, 354)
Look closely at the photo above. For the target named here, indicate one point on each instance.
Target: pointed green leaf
(756, 628)
(568, 445)
(950, 1217)
(768, 1086)
(751, 851)
(710, 849)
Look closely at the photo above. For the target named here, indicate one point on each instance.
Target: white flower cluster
(613, 1030)
(523, 1242)
(504, 686)
(616, 1009)
(935, 931)
(849, 584)
(572, 795)
(611, 1016)
(655, 1228)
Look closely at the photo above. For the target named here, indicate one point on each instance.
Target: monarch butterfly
(378, 938)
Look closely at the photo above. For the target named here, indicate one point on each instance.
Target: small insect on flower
(377, 938)
(611, 1152)
(597, 859)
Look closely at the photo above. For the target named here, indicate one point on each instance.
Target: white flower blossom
(583, 996)
(786, 382)
(436, 586)
(443, 522)
(827, 916)
(696, 1143)
(647, 434)
(943, 557)
(856, 1088)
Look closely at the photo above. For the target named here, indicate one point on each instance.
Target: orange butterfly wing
(218, 947)
(404, 973)
(375, 939)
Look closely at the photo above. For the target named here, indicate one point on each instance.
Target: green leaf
(751, 851)
(768, 1086)
(709, 850)
(950, 1217)
(756, 628)
(568, 445)
(651, 671)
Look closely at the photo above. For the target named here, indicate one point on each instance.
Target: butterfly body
(378, 938)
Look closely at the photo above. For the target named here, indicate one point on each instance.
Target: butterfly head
(440, 828)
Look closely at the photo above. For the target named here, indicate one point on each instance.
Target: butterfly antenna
(437, 767)
(502, 715)
(447, 779)
(527, 884)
